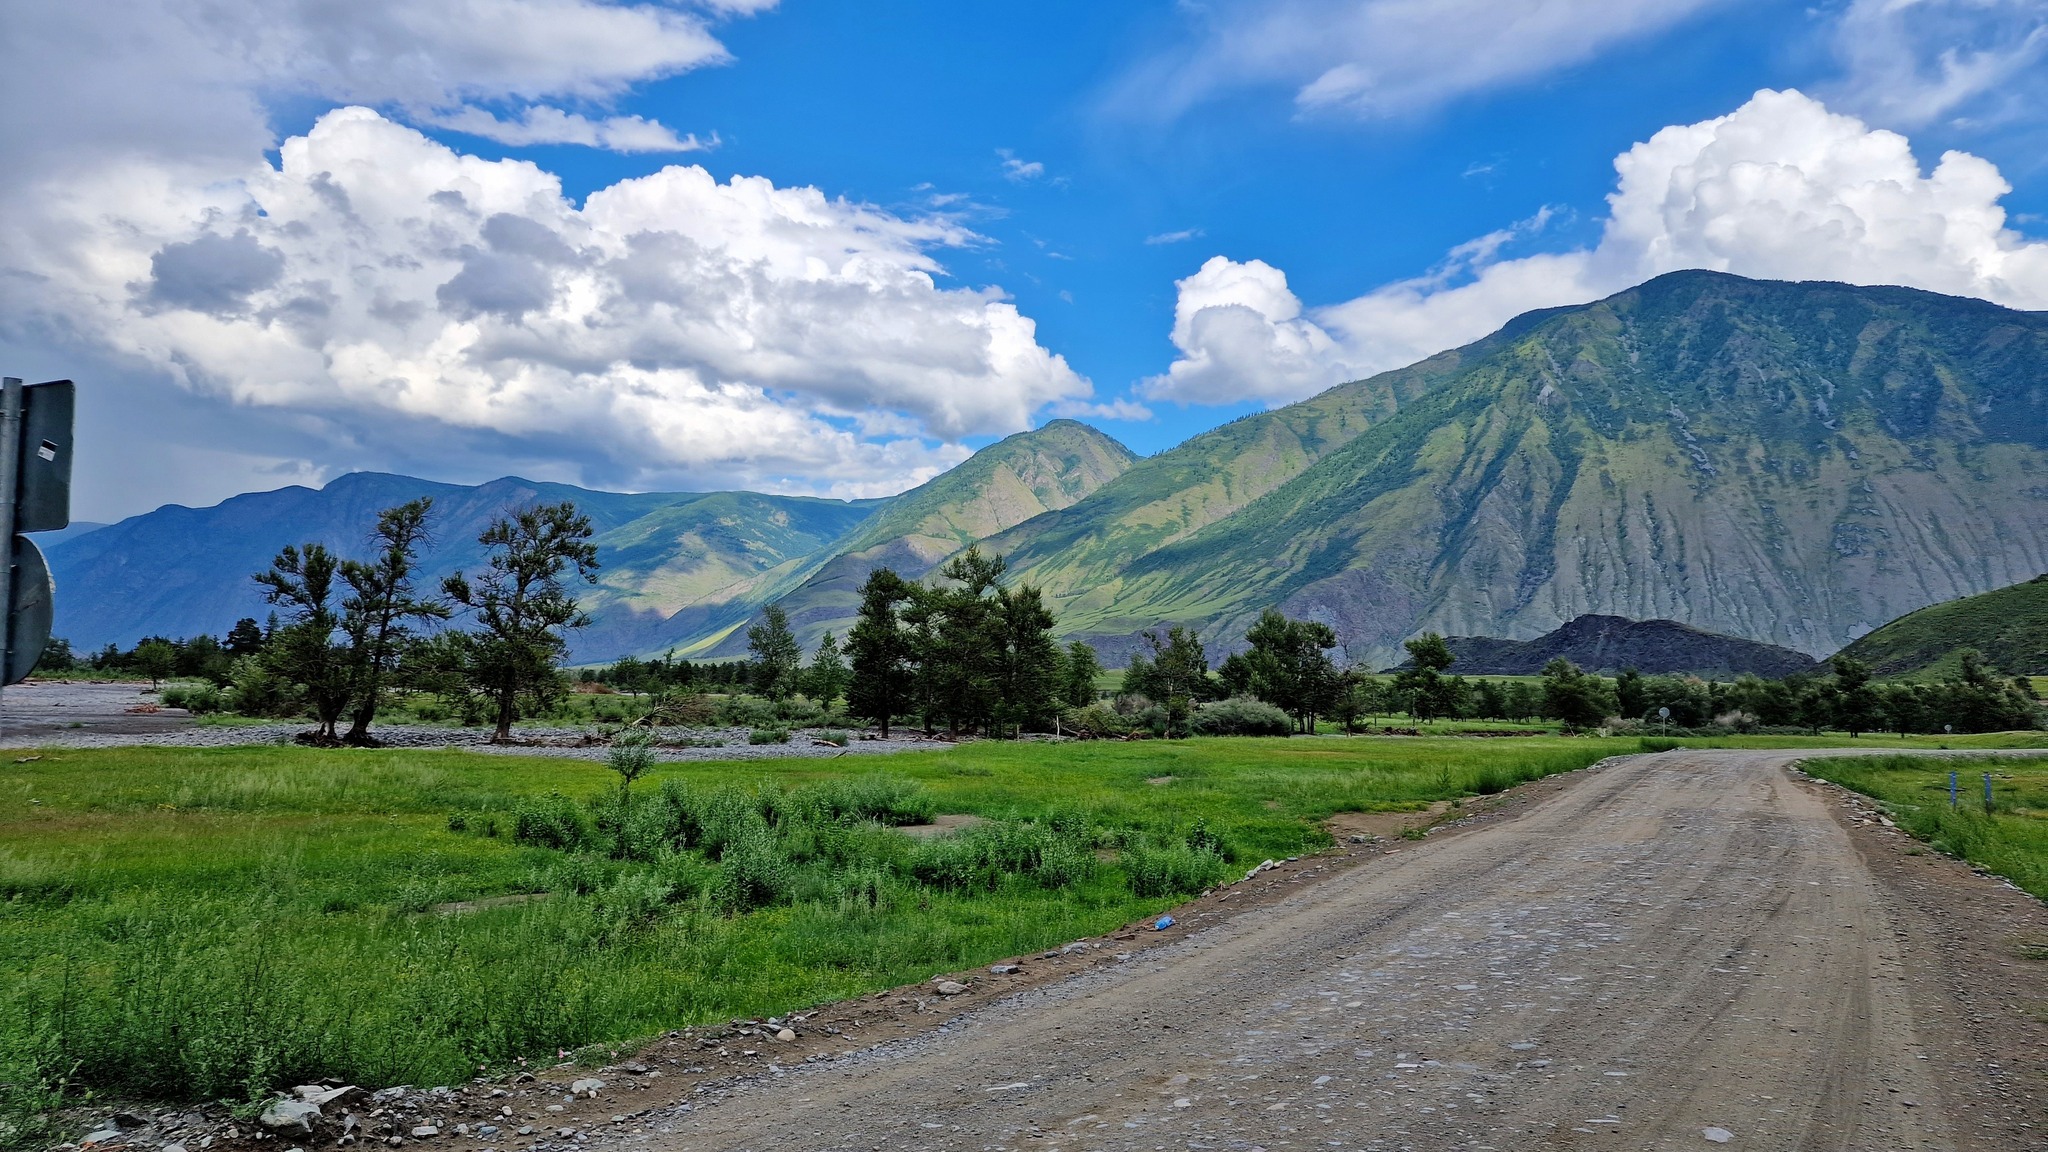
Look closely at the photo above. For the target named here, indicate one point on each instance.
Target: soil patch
(1374, 825)
(941, 826)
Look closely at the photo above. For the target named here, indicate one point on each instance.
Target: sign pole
(10, 475)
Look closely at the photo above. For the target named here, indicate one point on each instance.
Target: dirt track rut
(1669, 945)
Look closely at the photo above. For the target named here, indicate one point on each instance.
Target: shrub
(746, 712)
(1241, 716)
(834, 736)
(196, 697)
(980, 858)
(768, 736)
(551, 821)
(1654, 745)
(1154, 869)
(1098, 721)
(753, 872)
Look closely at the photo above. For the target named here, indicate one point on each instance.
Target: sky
(832, 247)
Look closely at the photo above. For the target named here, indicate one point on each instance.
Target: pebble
(425, 1130)
(1005, 969)
(785, 1035)
(588, 1087)
(950, 987)
(1717, 1135)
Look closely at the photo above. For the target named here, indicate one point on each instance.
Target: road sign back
(30, 612)
(43, 503)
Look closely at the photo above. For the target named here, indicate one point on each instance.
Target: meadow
(2009, 836)
(213, 923)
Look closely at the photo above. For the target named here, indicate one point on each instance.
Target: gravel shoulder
(114, 714)
(1656, 953)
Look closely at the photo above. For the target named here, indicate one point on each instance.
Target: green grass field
(213, 923)
(2011, 838)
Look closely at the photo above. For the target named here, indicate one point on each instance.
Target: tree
(825, 680)
(245, 638)
(521, 603)
(302, 651)
(1631, 698)
(1077, 675)
(1858, 709)
(880, 650)
(1569, 695)
(631, 756)
(1288, 666)
(1030, 660)
(963, 633)
(1175, 675)
(1422, 683)
(777, 656)
(1358, 694)
(155, 659)
(377, 614)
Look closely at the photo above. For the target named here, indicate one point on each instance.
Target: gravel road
(1671, 951)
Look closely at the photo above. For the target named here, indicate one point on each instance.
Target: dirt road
(1671, 951)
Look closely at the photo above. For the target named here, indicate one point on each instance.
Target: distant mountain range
(1791, 463)
(1611, 644)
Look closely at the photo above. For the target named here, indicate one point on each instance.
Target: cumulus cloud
(1382, 57)
(670, 322)
(1780, 188)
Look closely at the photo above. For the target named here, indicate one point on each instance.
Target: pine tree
(826, 678)
(377, 614)
(1077, 675)
(881, 652)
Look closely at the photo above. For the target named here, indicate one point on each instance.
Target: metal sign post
(35, 496)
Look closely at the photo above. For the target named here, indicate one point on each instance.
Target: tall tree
(963, 659)
(825, 680)
(1579, 700)
(1077, 675)
(881, 652)
(1428, 692)
(1288, 666)
(156, 658)
(1030, 660)
(1176, 675)
(1858, 708)
(522, 602)
(302, 650)
(777, 656)
(378, 613)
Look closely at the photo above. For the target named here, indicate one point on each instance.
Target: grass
(2010, 839)
(211, 923)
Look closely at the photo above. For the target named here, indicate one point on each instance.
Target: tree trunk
(507, 705)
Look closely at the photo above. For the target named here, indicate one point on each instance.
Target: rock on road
(1672, 951)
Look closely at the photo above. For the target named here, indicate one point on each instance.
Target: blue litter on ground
(1162, 924)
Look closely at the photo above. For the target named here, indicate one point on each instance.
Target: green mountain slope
(1792, 463)
(2009, 626)
(1002, 485)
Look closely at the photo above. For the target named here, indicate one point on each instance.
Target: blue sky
(1128, 184)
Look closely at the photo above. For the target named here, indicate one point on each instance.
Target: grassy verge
(210, 923)
(2009, 838)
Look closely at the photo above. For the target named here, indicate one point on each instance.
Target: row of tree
(350, 627)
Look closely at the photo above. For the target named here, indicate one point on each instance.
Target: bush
(746, 712)
(551, 821)
(1655, 745)
(253, 690)
(980, 858)
(1154, 869)
(1098, 721)
(1241, 716)
(196, 697)
(768, 736)
(835, 736)
(753, 872)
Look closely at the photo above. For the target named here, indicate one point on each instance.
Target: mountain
(678, 570)
(1000, 486)
(1611, 644)
(2009, 626)
(178, 571)
(1788, 462)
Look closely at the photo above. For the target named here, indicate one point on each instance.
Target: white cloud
(671, 323)
(1242, 336)
(1913, 62)
(1781, 188)
(1383, 57)
(542, 124)
(1175, 237)
(1018, 170)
